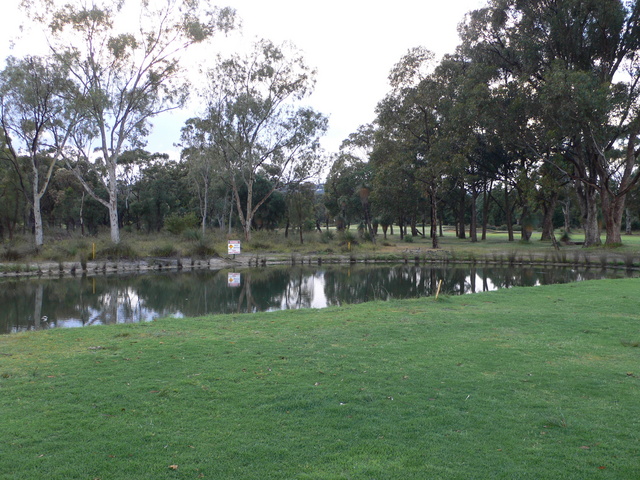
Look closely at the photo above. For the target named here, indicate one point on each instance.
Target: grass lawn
(528, 383)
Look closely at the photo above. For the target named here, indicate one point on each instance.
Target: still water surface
(73, 302)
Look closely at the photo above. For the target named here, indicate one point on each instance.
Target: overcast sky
(353, 44)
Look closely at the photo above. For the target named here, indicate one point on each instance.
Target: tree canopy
(533, 121)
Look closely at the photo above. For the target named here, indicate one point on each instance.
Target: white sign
(234, 247)
(233, 279)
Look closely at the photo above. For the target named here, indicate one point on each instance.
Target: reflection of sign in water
(234, 279)
(234, 247)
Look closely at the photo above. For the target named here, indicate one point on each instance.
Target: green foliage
(117, 251)
(11, 254)
(327, 236)
(166, 250)
(193, 235)
(342, 188)
(199, 244)
(121, 67)
(202, 249)
(574, 94)
(348, 237)
(258, 114)
(272, 211)
(178, 224)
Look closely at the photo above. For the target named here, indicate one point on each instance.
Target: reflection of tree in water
(117, 299)
(26, 302)
(202, 292)
(362, 283)
(300, 289)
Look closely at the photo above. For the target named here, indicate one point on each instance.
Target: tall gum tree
(125, 66)
(34, 125)
(578, 60)
(412, 121)
(255, 120)
(204, 163)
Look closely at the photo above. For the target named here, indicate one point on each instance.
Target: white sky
(352, 43)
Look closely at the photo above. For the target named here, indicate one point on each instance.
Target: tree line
(79, 117)
(532, 122)
(536, 110)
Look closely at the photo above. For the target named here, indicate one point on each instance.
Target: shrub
(348, 237)
(408, 238)
(119, 251)
(366, 236)
(260, 245)
(177, 224)
(203, 250)
(167, 250)
(11, 254)
(193, 234)
(264, 240)
(327, 236)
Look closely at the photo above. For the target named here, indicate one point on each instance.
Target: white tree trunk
(37, 220)
(113, 204)
(38, 193)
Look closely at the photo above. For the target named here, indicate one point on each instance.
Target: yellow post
(438, 292)
(94, 251)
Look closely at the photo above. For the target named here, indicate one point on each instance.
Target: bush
(167, 250)
(203, 249)
(119, 251)
(264, 240)
(327, 236)
(176, 224)
(408, 238)
(366, 237)
(11, 255)
(193, 234)
(348, 237)
(258, 245)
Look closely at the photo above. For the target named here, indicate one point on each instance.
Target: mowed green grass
(528, 383)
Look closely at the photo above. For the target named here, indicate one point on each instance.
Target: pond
(93, 300)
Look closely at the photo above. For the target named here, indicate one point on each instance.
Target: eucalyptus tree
(255, 119)
(396, 196)
(412, 119)
(11, 198)
(300, 199)
(204, 163)
(464, 102)
(359, 145)
(577, 61)
(347, 176)
(35, 125)
(162, 190)
(125, 66)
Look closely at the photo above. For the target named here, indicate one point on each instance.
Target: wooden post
(438, 292)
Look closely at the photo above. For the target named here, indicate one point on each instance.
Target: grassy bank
(71, 251)
(523, 383)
